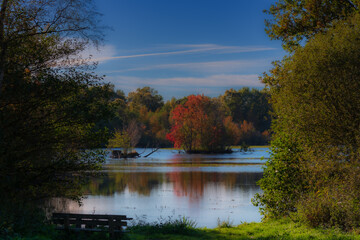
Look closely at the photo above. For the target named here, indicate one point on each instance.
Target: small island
(125, 141)
(200, 125)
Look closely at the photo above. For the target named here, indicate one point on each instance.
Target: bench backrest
(90, 221)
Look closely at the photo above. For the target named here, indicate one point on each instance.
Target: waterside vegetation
(184, 228)
(195, 123)
(314, 170)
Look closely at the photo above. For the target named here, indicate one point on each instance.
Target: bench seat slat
(87, 229)
(90, 216)
(90, 222)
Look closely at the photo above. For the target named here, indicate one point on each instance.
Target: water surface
(204, 188)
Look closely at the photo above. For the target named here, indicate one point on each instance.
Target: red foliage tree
(198, 125)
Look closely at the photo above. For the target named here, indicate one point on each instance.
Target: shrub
(166, 226)
(283, 180)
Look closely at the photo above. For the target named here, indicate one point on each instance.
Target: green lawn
(268, 230)
(184, 229)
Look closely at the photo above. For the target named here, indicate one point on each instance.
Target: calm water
(204, 188)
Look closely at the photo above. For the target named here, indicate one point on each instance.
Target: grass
(281, 229)
(183, 228)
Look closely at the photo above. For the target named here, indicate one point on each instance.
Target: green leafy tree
(146, 97)
(315, 96)
(250, 105)
(296, 21)
(283, 180)
(121, 139)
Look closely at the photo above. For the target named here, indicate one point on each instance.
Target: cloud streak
(209, 67)
(102, 52)
(190, 49)
(220, 80)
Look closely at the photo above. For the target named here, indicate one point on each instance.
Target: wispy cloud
(101, 52)
(204, 67)
(221, 80)
(189, 49)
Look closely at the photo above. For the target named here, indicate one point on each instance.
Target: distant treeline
(146, 118)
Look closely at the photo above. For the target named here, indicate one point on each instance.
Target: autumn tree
(232, 130)
(198, 125)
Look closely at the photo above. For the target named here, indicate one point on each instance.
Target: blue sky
(182, 47)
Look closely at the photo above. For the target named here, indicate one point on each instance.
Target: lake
(204, 188)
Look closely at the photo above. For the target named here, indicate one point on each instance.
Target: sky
(183, 47)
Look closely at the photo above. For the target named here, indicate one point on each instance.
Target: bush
(283, 180)
(165, 226)
(337, 204)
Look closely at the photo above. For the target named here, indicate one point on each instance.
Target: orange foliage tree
(198, 126)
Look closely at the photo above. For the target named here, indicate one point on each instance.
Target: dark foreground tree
(49, 108)
(316, 98)
(48, 128)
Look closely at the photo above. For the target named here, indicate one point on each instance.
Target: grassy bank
(268, 230)
(186, 229)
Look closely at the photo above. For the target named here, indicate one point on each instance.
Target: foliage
(24, 219)
(47, 122)
(296, 21)
(198, 125)
(315, 96)
(168, 225)
(50, 106)
(225, 223)
(249, 135)
(248, 105)
(38, 34)
(283, 180)
(153, 124)
(147, 97)
(120, 140)
(232, 131)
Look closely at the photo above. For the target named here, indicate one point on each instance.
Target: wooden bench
(90, 222)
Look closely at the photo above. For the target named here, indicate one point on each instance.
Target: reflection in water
(189, 184)
(203, 188)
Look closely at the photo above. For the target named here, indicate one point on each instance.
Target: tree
(198, 125)
(121, 139)
(29, 27)
(232, 131)
(49, 105)
(250, 105)
(249, 135)
(147, 97)
(296, 21)
(315, 96)
(44, 126)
